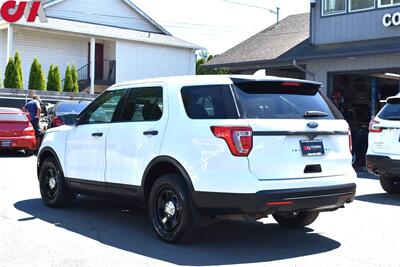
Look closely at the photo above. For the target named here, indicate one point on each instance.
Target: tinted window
(271, 100)
(75, 108)
(361, 4)
(390, 112)
(103, 108)
(12, 117)
(209, 102)
(143, 104)
(334, 6)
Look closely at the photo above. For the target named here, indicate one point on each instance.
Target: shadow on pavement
(366, 175)
(227, 242)
(383, 198)
(12, 154)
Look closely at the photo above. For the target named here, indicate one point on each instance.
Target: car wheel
(390, 184)
(53, 189)
(29, 153)
(297, 219)
(171, 210)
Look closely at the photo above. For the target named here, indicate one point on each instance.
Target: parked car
(16, 132)
(383, 155)
(65, 113)
(213, 146)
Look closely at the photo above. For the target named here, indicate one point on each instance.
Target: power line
(252, 6)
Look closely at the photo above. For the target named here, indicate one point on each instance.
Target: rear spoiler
(393, 100)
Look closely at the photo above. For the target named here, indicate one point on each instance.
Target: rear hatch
(12, 124)
(385, 129)
(297, 132)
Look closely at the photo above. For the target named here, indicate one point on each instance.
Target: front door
(85, 148)
(136, 139)
(99, 60)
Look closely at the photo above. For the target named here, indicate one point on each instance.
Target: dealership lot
(99, 233)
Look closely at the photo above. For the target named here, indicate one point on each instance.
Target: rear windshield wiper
(315, 114)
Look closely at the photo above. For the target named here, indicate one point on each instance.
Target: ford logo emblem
(312, 125)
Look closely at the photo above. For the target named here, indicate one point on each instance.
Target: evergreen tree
(57, 79)
(17, 72)
(8, 75)
(68, 83)
(36, 77)
(50, 79)
(74, 74)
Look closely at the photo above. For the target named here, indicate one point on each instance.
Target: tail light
(57, 121)
(238, 139)
(28, 131)
(373, 128)
(350, 142)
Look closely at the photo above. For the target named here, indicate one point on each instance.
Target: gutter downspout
(294, 63)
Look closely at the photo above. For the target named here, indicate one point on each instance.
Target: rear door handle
(154, 133)
(97, 134)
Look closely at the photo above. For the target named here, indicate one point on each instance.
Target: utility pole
(276, 12)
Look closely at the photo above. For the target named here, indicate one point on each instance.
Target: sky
(218, 25)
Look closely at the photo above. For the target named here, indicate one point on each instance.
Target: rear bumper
(275, 201)
(382, 165)
(23, 142)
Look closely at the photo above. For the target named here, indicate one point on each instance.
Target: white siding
(49, 48)
(106, 12)
(321, 68)
(3, 52)
(140, 61)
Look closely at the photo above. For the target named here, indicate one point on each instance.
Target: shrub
(57, 79)
(17, 72)
(68, 83)
(50, 79)
(36, 76)
(8, 75)
(74, 74)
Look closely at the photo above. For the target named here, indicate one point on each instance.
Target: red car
(16, 132)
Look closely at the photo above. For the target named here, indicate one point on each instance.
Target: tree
(68, 82)
(57, 79)
(50, 79)
(74, 74)
(204, 58)
(8, 75)
(17, 72)
(36, 76)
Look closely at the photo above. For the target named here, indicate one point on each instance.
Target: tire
(29, 153)
(171, 210)
(53, 189)
(298, 220)
(390, 184)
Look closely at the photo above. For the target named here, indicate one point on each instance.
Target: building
(351, 46)
(108, 40)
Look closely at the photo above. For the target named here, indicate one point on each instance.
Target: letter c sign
(389, 20)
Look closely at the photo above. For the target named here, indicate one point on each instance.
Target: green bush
(50, 79)
(74, 74)
(17, 72)
(68, 82)
(36, 76)
(57, 79)
(8, 75)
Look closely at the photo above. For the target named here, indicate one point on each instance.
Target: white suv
(383, 155)
(199, 147)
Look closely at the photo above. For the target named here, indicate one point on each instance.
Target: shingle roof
(269, 44)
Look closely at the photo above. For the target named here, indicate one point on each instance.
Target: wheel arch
(160, 166)
(45, 153)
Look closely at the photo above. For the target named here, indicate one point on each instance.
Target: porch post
(9, 42)
(92, 63)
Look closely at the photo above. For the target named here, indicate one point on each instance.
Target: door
(85, 148)
(99, 60)
(136, 139)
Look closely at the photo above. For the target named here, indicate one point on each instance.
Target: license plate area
(5, 143)
(311, 148)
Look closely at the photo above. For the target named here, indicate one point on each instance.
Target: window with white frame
(383, 3)
(331, 7)
(356, 5)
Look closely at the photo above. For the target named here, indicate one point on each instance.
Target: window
(356, 5)
(331, 7)
(383, 3)
(12, 117)
(103, 108)
(391, 112)
(209, 102)
(143, 104)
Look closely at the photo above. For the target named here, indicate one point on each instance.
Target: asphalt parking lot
(99, 233)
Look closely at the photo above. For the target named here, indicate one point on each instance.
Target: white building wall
(321, 68)
(3, 54)
(141, 61)
(106, 12)
(49, 48)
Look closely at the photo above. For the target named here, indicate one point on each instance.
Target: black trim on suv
(382, 165)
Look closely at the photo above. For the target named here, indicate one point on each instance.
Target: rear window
(12, 117)
(71, 107)
(209, 102)
(276, 100)
(390, 112)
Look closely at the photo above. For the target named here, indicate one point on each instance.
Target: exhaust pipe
(377, 172)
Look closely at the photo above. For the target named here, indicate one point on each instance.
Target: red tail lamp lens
(238, 139)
